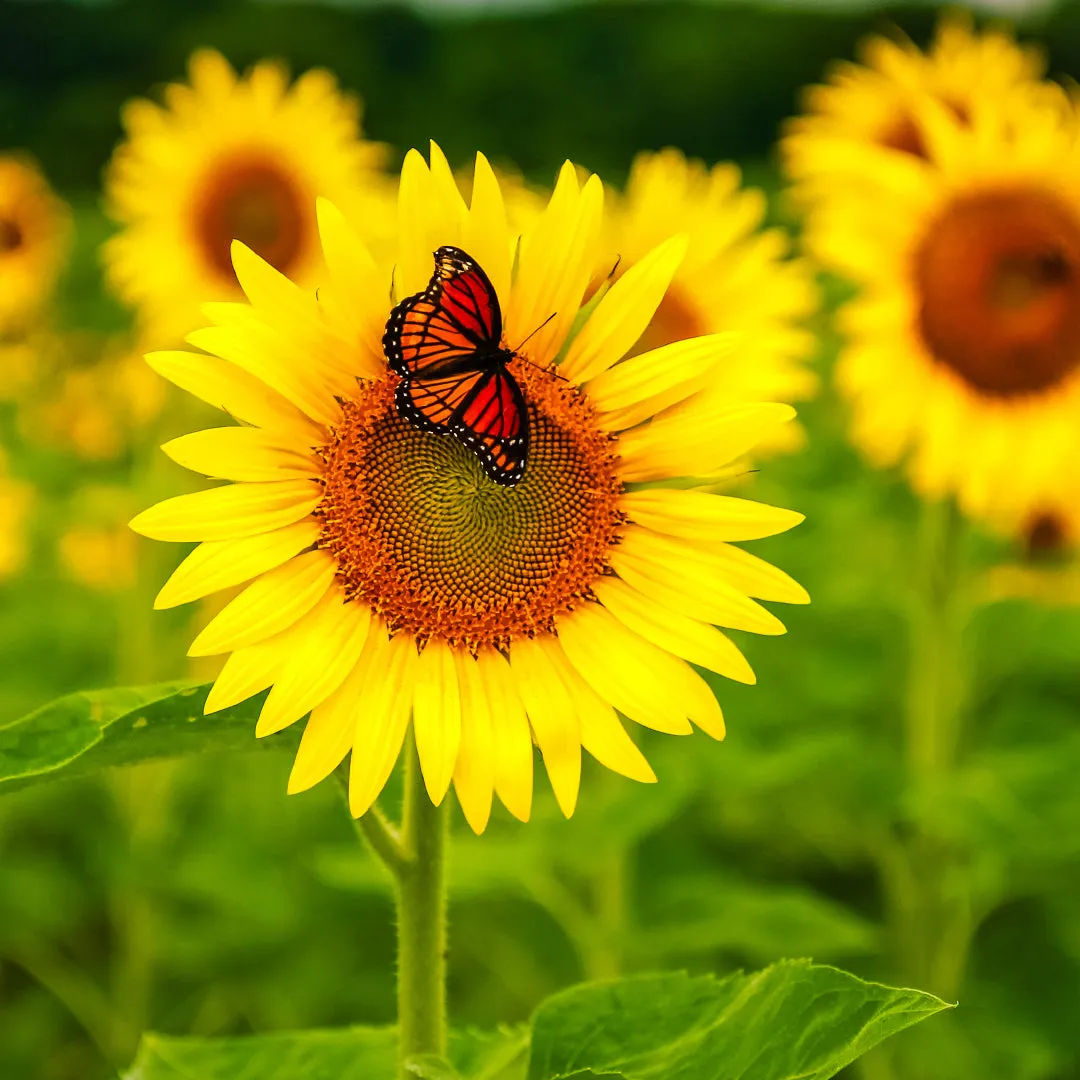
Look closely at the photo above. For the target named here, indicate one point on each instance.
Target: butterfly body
(446, 344)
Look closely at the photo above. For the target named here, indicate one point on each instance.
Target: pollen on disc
(439, 550)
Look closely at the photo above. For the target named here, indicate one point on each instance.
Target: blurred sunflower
(393, 580)
(35, 234)
(888, 104)
(736, 276)
(227, 158)
(16, 501)
(963, 351)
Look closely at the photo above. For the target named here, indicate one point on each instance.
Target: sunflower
(395, 584)
(735, 276)
(35, 232)
(226, 158)
(888, 104)
(963, 350)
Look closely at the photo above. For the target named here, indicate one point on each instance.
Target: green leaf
(357, 1053)
(792, 1021)
(348, 1054)
(84, 732)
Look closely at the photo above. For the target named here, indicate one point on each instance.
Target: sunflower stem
(384, 839)
(421, 917)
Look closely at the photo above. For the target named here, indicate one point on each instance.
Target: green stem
(421, 912)
(415, 857)
(924, 869)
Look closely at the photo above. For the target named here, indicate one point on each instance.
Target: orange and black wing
(494, 424)
(446, 329)
(485, 411)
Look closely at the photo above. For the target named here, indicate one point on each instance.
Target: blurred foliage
(195, 899)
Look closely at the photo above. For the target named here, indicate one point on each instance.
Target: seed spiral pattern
(431, 544)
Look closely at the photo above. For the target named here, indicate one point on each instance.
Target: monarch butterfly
(446, 343)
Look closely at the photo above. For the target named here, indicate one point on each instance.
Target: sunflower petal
(474, 770)
(624, 669)
(644, 385)
(229, 512)
(513, 753)
(553, 718)
(700, 515)
(678, 634)
(268, 605)
(709, 593)
(219, 564)
(382, 717)
(333, 640)
(437, 717)
(486, 234)
(233, 390)
(601, 732)
(239, 453)
(251, 669)
(688, 440)
(624, 313)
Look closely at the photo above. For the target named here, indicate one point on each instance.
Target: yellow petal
(357, 283)
(701, 704)
(691, 590)
(251, 669)
(486, 234)
(229, 512)
(474, 770)
(624, 669)
(414, 265)
(644, 385)
(328, 737)
(219, 564)
(382, 716)
(240, 453)
(511, 741)
(699, 515)
(268, 605)
(295, 382)
(554, 266)
(717, 562)
(437, 717)
(553, 718)
(674, 633)
(688, 441)
(624, 313)
(333, 640)
(270, 290)
(233, 390)
(755, 576)
(601, 732)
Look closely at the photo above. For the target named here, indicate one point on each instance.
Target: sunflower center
(253, 201)
(11, 236)
(439, 550)
(676, 319)
(1045, 535)
(998, 278)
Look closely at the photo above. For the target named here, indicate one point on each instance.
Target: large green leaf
(348, 1054)
(357, 1053)
(87, 731)
(792, 1020)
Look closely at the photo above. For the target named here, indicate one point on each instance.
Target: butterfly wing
(493, 421)
(448, 327)
(432, 404)
(485, 411)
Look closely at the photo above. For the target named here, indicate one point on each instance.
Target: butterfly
(446, 343)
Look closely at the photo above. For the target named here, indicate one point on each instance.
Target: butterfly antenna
(535, 332)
